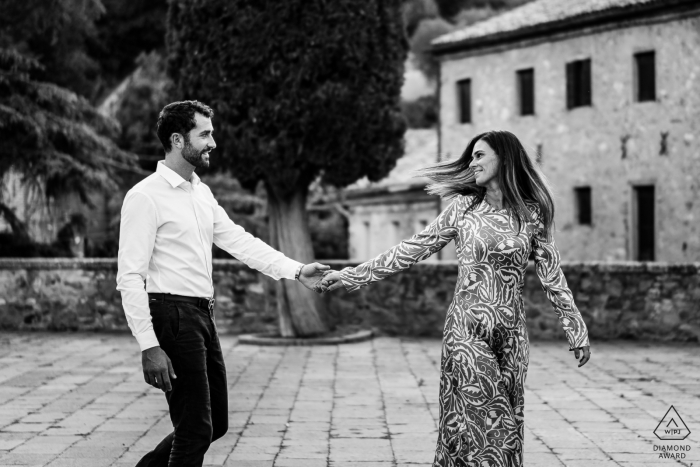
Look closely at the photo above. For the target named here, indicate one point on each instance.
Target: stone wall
(611, 146)
(627, 300)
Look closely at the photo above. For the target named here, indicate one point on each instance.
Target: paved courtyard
(74, 400)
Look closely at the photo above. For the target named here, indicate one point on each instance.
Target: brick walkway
(74, 400)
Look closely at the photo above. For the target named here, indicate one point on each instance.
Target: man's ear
(177, 140)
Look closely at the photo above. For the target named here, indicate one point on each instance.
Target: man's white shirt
(168, 225)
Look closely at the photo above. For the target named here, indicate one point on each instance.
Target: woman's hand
(331, 281)
(586, 355)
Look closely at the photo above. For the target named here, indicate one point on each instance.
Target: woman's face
(484, 163)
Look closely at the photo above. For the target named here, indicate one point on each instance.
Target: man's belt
(203, 303)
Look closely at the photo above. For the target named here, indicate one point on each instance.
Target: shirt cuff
(289, 268)
(147, 340)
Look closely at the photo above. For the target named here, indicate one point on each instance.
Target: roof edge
(596, 18)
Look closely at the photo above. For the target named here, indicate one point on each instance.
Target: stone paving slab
(73, 400)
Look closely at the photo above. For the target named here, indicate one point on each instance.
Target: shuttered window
(584, 211)
(526, 91)
(578, 84)
(646, 76)
(464, 95)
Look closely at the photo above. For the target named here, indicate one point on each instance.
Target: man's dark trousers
(198, 401)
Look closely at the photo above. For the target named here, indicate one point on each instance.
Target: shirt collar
(172, 177)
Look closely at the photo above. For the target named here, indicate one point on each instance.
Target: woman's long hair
(521, 182)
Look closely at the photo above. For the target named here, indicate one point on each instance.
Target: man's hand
(586, 355)
(157, 368)
(331, 281)
(311, 275)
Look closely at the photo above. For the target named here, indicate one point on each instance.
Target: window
(464, 92)
(578, 83)
(526, 91)
(644, 223)
(584, 213)
(646, 76)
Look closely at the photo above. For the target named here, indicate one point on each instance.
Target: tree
(53, 137)
(301, 89)
(130, 31)
(57, 34)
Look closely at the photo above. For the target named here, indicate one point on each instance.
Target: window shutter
(465, 100)
(586, 91)
(570, 91)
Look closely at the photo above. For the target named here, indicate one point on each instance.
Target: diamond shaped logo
(672, 426)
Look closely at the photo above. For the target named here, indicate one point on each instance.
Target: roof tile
(534, 14)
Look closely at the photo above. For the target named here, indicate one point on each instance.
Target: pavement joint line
(335, 382)
(307, 351)
(417, 379)
(436, 364)
(538, 438)
(379, 382)
(262, 393)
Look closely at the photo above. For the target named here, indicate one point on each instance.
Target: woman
(502, 211)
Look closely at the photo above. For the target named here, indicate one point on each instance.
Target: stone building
(381, 214)
(606, 95)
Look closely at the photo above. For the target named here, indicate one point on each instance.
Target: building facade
(605, 94)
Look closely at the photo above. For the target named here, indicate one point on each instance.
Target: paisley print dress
(485, 343)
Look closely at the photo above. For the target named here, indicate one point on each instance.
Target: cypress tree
(301, 89)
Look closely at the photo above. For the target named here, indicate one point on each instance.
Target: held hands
(311, 275)
(157, 369)
(586, 355)
(331, 281)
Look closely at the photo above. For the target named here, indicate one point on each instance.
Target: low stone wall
(627, 300)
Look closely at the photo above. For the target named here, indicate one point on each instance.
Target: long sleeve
(251, 250)
(404, 255)
(137, 235)
(547, 263)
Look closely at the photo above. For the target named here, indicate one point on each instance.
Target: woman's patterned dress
(485, 344)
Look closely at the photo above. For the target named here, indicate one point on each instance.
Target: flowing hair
(520, 180)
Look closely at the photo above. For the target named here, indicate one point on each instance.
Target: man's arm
(137, 236)
(259, 255)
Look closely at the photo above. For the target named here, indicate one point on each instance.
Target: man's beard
(194, 157)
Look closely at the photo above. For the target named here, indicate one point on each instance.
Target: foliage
(427, 30)
(421, 113)
(300, 87)
(329, 234)
(128, 31)
(138, 107)
(87, 46)
(57, 34)
(51, 135)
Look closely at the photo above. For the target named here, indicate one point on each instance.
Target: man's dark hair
(179, 117)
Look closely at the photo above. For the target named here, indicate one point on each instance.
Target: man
(168, 224)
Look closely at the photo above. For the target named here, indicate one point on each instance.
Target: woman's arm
(404, 255)
(547, 263)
